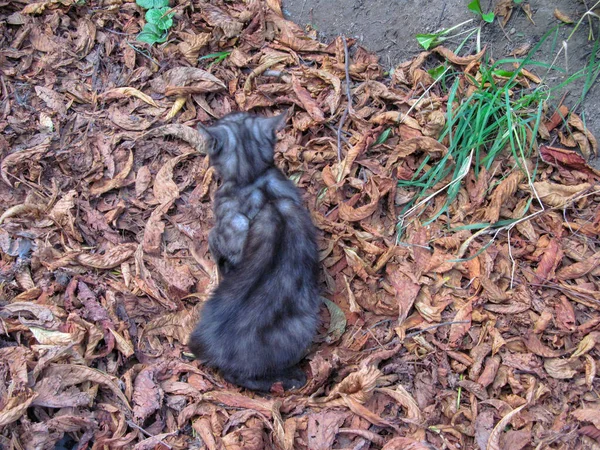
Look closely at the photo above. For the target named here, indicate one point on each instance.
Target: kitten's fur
(262, 317)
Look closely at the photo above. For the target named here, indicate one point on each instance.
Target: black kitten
(262, 317)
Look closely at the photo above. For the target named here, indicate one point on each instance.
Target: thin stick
(137, 427)
(348, 96)
(437, 325)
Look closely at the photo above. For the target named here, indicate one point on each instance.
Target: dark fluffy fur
(263, 315)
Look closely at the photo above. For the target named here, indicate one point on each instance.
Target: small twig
(349, 97)
(416, 333)
(143, 53)
(396, 340)
(513, 263)
(137, 427)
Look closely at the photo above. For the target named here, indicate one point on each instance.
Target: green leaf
(383, 136)
(518, 2)
(489, 17)
(151, 34)
(160, 18)
(475, 7)
(149, 38)
(149, 4)
(436, 72)
(427, 40)
(503, 73)
(217, 55)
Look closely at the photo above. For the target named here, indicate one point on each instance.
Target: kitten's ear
(203, 131)
(208, 138)
(273, 124)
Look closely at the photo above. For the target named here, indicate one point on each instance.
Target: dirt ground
(389, 29)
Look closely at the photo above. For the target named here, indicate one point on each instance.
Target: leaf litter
(450, 337)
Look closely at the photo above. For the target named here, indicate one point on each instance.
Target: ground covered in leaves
(454, 336)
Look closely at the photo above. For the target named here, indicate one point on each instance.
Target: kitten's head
(241, 146)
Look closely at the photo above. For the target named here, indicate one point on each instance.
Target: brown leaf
(586, 344)
(550, 260)
(125, 92)
(323, 428)
(459, 60)
(155, 227)
(404, 399)
(86, 36)
(128, 122)
(176, 81)
(70, 374)
(192, 44)
(183, 132)
(14, 408)
(588, 415)
(406, 290)
(405, 443)
(116, 182)
(458, 330)
(310, 105)
(562, 16)
(165, 189)
(562, 369)
(147, 395)
(19, 158)
(579, 269)
(494, 440)
(534, 345)
(216, 17)
(560, 157)
(559, 195)
(142, 180)
(576, 122)
(565, 314)
(503, 191)
(351, 214)
(475, 388)
(110, 259)
(54, 100)
(358, 385)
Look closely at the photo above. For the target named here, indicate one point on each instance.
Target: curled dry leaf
(310, 105)
(404, 399)
(116, 182)
(458, 330)
(587, 415)
(562, 16)
(54, 100)
(124, 92)
(562, 369)
(108, 260)
(576, 122)
(560, 157)
(165, 189)
(549, 261)
(586, 344)
(192, 44)
(23, 157)
(126, 121)
(182, 132)
(147, 395)
(358, 385)
(579, 269)
(559, 195)
(503, 191)
(216, 17)
(189, 80)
